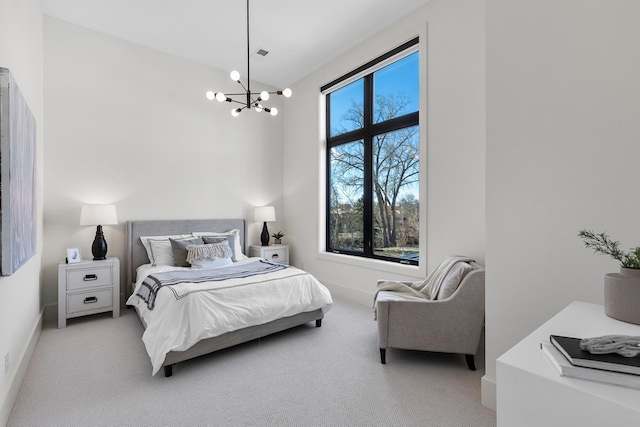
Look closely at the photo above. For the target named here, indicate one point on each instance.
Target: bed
(283, 296)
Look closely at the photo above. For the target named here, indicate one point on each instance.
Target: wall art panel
(17, 176)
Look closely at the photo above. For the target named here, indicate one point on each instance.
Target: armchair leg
(383, 356)
(470, 362)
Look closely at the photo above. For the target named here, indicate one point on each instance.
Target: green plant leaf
(601, 243)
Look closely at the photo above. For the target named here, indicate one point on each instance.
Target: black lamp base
(99, 247)
(264, 237)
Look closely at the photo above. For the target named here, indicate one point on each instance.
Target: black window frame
(367, 134)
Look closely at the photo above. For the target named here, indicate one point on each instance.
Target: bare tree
(346, 195)
(395, 163)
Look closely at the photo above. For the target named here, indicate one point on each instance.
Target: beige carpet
(96, 372)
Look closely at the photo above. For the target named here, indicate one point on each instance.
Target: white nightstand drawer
(89, 278)
(278, 253)
(275, 254)
(92, 300)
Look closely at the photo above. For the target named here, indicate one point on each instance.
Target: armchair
(449, 325)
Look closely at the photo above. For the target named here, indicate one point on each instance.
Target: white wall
(563, 143)
(452, 121)
(132, 126)
(20, 306)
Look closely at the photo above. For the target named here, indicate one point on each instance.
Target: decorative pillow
(237, 247)
(146, 242)
(230, 239)
(179, 249)
(209, 255)
(453, 279)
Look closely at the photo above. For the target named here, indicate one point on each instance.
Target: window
(373, 159)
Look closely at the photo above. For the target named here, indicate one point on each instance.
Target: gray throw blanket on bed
(154, 282)
(425, 289)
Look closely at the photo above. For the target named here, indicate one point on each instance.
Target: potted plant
(278, 236)
(621, 290)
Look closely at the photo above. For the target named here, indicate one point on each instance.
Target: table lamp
(98, 215)
(265, 214)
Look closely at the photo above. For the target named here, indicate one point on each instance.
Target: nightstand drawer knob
(90, 277)
(275, 256)
(90, 300)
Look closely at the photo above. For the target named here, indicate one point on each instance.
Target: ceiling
(300, 35)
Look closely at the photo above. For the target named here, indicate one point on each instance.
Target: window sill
(416, 271)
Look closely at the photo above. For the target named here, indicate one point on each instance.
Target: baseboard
(353, 295)
(488, 392)
(16, 376)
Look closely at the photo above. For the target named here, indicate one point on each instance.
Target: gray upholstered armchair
(449, 324)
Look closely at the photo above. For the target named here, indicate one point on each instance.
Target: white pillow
(453, 279)
(235, 232)
(160, 248)
(162, 252)
(203, 264)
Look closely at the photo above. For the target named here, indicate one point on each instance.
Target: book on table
(570, 347)
(565, 368)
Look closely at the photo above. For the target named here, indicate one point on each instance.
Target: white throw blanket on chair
(426, 289)
(431, 285)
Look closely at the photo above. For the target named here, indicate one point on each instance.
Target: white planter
(622, 295)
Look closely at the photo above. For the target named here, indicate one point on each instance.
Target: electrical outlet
(6, 363)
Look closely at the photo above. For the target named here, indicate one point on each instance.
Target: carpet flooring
(96, 372)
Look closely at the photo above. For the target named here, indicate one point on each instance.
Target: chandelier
(248, 99)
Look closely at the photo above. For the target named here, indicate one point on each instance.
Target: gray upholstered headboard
(136, 254)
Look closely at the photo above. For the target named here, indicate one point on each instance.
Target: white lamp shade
(265, 214)
(98, 215)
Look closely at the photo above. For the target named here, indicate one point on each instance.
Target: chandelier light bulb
(264, 95)
(274, 111)
(211, 96)
(221, 97)
(235, 76)
(235, 112)
(287, 92)
(258, 107)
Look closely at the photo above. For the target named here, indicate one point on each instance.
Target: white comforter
(207, 311)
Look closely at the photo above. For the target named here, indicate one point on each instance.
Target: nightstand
(88, 287)
(277, 253)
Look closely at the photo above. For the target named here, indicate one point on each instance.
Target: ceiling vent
(259, 54)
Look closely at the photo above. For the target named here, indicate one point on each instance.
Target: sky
(400, 76)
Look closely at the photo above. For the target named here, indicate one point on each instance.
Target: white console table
(530, 392)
